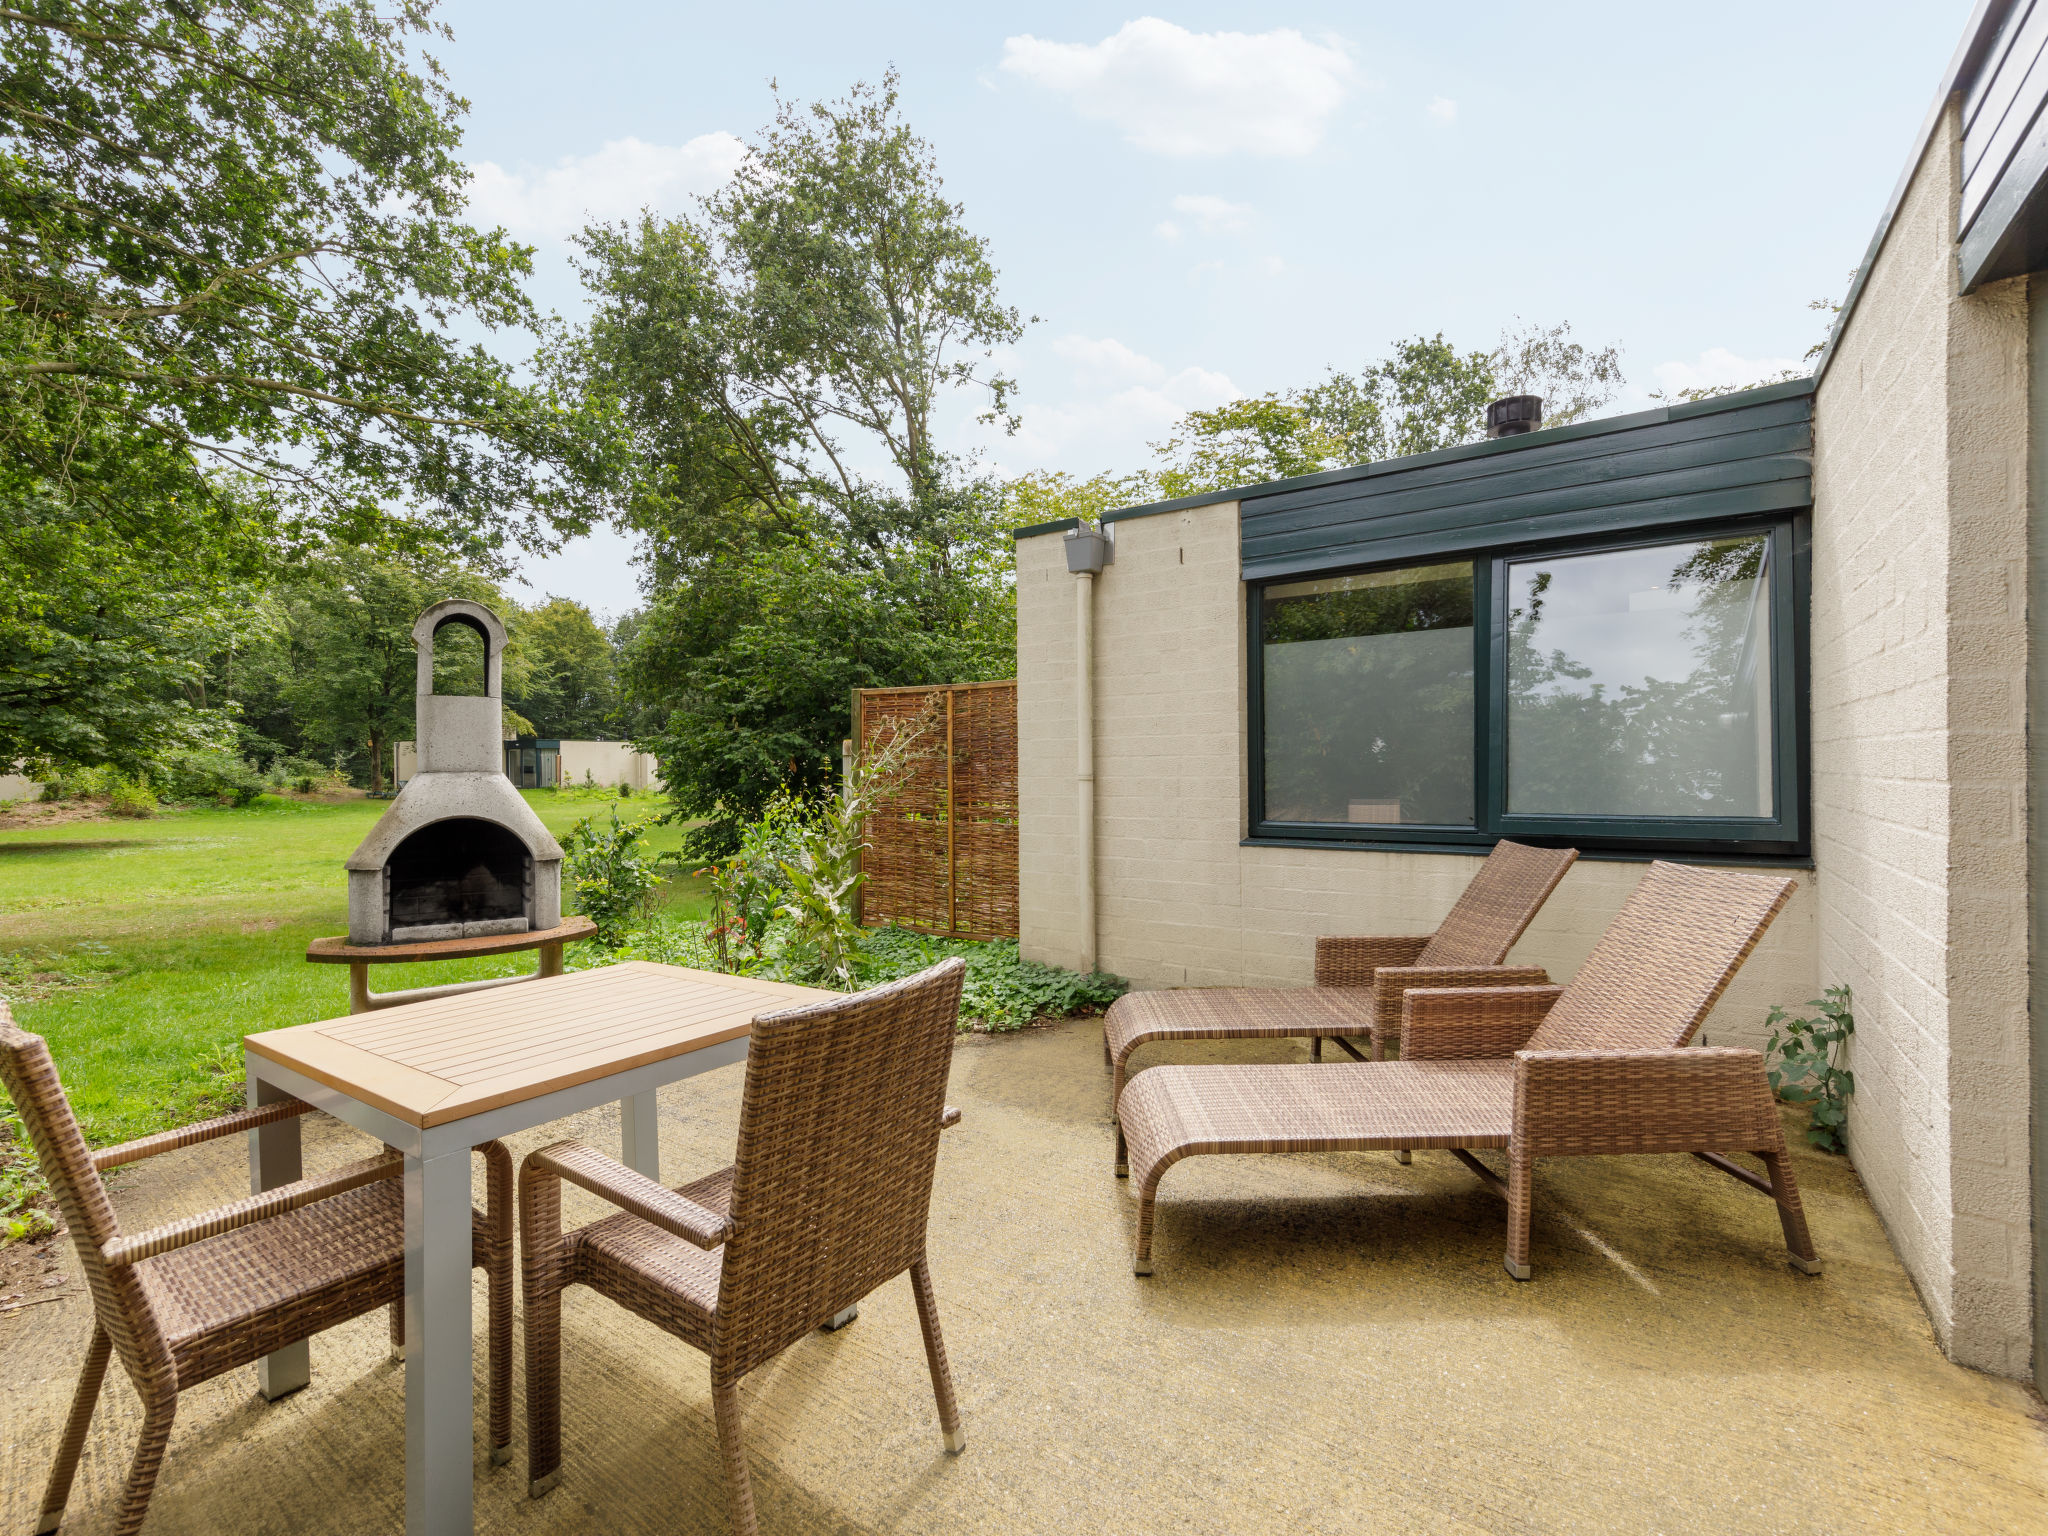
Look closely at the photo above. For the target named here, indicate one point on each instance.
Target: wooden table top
(431, 1062)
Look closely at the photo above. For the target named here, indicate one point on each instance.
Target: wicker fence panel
(941, 854)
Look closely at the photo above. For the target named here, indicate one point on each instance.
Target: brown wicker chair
(1594, 1068)
(1359, 982)
(182, 1303)
(827, 1199)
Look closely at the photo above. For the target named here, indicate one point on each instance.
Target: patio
(1342, 1353)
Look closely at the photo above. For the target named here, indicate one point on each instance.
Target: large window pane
(1368, 697)
(1639, 682)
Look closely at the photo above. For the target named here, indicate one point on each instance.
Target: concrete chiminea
(459, 854)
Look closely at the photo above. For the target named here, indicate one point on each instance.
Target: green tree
(352, 663)
(566, 675)
(231, 244)
(767, 373)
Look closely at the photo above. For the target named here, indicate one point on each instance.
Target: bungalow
(1800, 628)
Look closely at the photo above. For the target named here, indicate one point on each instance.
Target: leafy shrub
(132, 797)
(210, 773)
(612, 878)
(1003, 990)
(747, 888)
(824, 877)
(1802, 1054)
(24, 1196)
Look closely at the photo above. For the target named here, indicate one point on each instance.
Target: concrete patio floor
(1330, 1344)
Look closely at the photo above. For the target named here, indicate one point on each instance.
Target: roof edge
(1599, 426)
(1978, 36)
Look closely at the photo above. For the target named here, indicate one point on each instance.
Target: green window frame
(1781, 596)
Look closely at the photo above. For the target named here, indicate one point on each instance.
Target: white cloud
(1114, 401)
(1718, 368)
(1213, 215)
(1443, 109)
(1168, 230)
(1105, 360)
(616, 182)
(1178, 92)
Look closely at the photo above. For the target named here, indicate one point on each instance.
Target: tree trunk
(376, 765)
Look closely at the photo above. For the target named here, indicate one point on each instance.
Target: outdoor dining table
(436, 1078)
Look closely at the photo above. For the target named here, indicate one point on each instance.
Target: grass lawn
(145, 950)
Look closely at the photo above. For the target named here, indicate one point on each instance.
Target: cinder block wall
(1180, 902)
(1919, 739)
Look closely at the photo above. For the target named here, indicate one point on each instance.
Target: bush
(210, 773)
(132, 797)
(612, 879)
(1003, 990)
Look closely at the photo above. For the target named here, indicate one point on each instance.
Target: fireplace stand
(360, 957)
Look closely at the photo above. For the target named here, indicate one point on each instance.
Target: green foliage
(132, 797)
(822, 878)
(210, 774)
(25, 1204)
(810, 319)
(562, 672)
(232, 236)
(748, 886)
(747, 672)
(611, 876)
(1002, 991)
(1804, 1053)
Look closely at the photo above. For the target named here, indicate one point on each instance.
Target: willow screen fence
(941, 853)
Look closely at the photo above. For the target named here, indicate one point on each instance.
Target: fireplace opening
(455, 879)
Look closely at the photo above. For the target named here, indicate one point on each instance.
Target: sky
(1216, 200)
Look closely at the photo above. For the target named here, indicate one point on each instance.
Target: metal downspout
(1084, 771)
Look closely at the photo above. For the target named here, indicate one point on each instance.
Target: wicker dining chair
(1597, 1068)
(1359, 981)
(185, 1302)
(826, 1199)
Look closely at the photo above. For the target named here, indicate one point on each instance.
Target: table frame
(439, 1386)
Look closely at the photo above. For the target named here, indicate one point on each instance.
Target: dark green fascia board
(2010, 233)
(1060, 525)
(1490, 448)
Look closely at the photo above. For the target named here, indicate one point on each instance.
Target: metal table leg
(438, 1395)
(640, 1135)
(273, 1160)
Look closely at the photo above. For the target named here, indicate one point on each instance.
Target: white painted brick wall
(1919, 741)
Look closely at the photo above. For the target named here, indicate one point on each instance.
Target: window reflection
(1639, 682)
(1368, 697)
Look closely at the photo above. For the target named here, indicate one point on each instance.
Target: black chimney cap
(1512, 415)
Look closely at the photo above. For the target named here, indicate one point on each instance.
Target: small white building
(533, 762)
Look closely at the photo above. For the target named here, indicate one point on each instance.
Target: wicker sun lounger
(1594, 1068)
(1359, 981)
(183, 1303)
(827, 1198)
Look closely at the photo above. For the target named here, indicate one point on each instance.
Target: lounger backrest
(1497, 906)
(119, 1300)
(1664, 961)
(832, 1180)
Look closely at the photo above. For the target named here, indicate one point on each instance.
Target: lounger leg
(1521, 1189)
(739, 1490)
(397, 1310)
(1791, 1214)
(1315, 1047)
(149, 1457)
(935, 1357)
(58, 1492)
(1123, 1153)
(1141, 1259)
